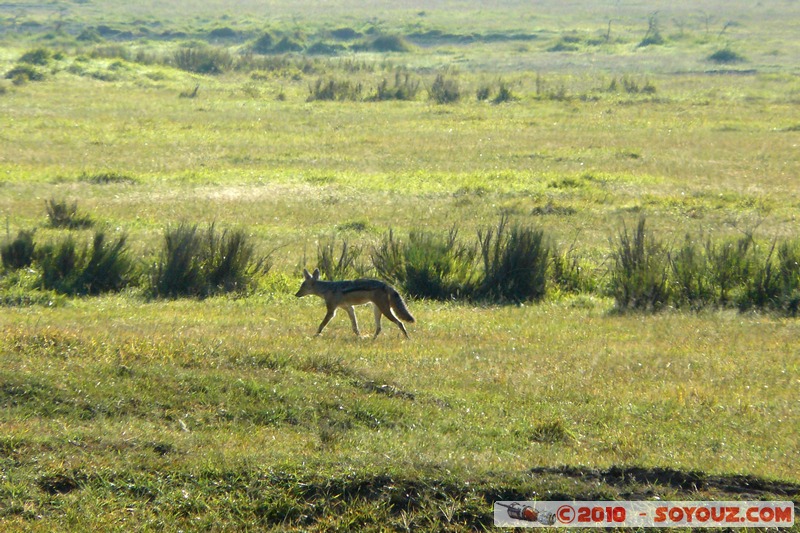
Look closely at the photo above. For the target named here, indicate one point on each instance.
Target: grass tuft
(444, 90)
(203, 59)
(201, 263)
(639, 270)
(68, 269)
(19, 252)
(334, 90)
(515, 263)
(60, 214)
(342, 265)
(428, 265)
(552, 432)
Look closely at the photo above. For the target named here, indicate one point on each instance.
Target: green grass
(218, 398)
(131, 413)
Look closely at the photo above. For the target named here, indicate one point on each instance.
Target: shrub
(264, 44)
(438, 267)
(345, 34)
(691, 275)
(89, 35)
(343, 267)
(726, 56)
(653, 35)
(652, 39)
(18, 253)
(334, 90)
(388, 260)
(231, 261)
(178, 271)
(639, 270)
(444, 90)
(504, 94)
(569, 273)
(789, 277)
(105, 267)
(324, 49)
(404, 88)
(286, 45)
(730, 265)
(38, 56)
(515, 263)
(563, 46)
(63, 215)
(223, 33)
(427, 265)
(24, 72)
(60, 265)
(203, 59)
(762, 284)
(203, 263)
(389, 43)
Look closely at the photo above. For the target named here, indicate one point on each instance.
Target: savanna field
(589, 207)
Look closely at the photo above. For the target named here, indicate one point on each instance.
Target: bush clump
(38, 56)
(61, 214)
(444, 90)
(18, 253)
(731, 264)
(287, 45)
(223, 33)
(789, 277)
(202, 263)
(504, 94)
(341, 265)
(405, 87)
(389, 43)
(24, 72)
(569, 272)
(264, 44)
(639, 270)
(203, 59)
(691, 275)
(104, 266)
(515, 263)
(334, 90)
(428, 265)
(726, 56)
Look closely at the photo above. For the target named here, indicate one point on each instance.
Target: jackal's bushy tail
(399, 306)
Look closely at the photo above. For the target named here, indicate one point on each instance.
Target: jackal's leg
(330, 314)
(377, 319)
(352, 313)
(387, 311)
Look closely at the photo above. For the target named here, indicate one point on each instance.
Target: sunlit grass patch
(226, 412)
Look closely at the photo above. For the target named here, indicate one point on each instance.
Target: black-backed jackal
(346, 294)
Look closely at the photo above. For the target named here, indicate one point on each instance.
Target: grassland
(125, 412)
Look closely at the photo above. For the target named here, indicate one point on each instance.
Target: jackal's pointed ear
(306, 275)
(316, 274)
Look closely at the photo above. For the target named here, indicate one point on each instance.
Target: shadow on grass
(684, 481)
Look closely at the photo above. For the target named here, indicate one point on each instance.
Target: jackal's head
(309, 283)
